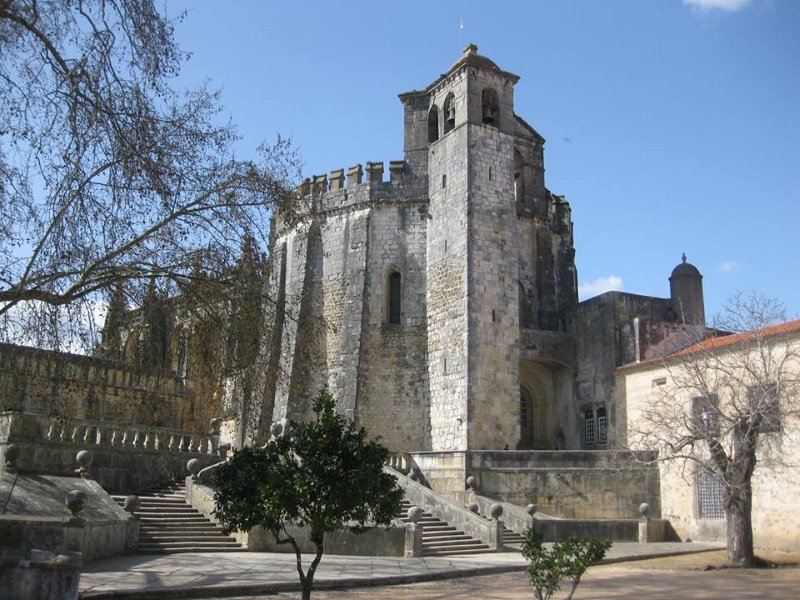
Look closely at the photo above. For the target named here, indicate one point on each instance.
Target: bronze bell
(488, 115)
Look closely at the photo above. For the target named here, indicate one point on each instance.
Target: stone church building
(440, 306)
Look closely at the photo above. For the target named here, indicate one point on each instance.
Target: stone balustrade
(126, 457)
(134, 437)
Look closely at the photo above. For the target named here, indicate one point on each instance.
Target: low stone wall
(38, 574)
(568, 484)
(370, 541)
(36, 517)
(617, 530)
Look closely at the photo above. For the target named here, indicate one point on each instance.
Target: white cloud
(612, 283)
(729, 266)
(725, 5)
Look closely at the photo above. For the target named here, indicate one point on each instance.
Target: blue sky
(671, 125)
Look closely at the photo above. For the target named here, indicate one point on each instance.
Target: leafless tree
(729, 402)
(107, 173)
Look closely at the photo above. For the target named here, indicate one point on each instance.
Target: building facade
(676, 404)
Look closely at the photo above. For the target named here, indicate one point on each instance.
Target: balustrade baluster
(136, 440)
(171, 445)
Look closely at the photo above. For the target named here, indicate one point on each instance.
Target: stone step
(441, 552)
(183, 538)
(440, 538)
(169, 525)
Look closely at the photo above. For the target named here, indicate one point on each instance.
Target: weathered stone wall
(572, 484)
(393, 400)
(614, 329)
(83, 387)
(493, 294)
(446, 292)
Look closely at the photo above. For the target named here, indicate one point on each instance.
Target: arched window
(449, 113)
(433, 124)
(490, 107)
(393, 309)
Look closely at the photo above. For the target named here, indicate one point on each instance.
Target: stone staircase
(169, 525)
(441, 539)
(512, 538)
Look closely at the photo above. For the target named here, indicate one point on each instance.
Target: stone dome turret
(686, 291)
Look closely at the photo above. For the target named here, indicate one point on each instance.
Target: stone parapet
(125, 457)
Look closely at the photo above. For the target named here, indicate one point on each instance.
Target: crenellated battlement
(335, 180)
(358, 184)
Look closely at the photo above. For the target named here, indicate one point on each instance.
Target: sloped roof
(720, 340)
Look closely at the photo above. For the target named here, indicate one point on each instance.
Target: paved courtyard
(677, 572)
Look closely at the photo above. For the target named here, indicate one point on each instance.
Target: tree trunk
(738, 513)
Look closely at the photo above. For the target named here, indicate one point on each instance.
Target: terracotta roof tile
(721, 341)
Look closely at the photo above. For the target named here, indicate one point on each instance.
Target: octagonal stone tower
(448, 293)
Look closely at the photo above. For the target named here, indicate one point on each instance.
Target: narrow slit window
(394, 298)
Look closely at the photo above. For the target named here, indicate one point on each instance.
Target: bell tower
(460, 134)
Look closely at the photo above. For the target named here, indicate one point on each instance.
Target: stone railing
(134, 437)
(400, 462)
(127, 457)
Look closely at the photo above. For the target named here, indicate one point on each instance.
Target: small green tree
(565, 560)
(322, 474)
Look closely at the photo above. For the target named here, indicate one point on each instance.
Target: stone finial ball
(473, 507)
(276, 429)
(531, 509)
(75, 501)
(496, 510)
(194, 465)
(471, 482)
(132, 503)
(215, 424)
(84, 458)
(644, 509)
(414, 514)
(12, 453)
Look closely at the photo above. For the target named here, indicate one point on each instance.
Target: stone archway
(535, 394)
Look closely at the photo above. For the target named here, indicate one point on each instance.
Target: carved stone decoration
(84, 459)
(496, 511)
(531, 509)
(12, 455)
(193, 466)
(75, 501)
(471, 483)
(414, 514)
(132, 504)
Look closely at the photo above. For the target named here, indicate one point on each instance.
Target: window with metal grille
(710, 496)
(588, 428)
(602, 426)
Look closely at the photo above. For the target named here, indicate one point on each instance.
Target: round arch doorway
(533, 422)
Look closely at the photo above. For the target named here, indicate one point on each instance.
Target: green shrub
(567, 560)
